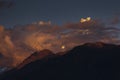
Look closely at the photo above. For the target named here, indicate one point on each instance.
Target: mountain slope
(81, 63)
(36, 56)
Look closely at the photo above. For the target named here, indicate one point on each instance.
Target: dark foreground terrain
(91, 61)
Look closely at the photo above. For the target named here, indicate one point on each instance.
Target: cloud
(21, 41)
(115, 20)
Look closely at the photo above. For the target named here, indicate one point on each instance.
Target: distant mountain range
(91, 61)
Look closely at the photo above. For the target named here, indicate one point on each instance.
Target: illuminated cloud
(43, 23)
(21, 41)
(1, 28)
(85, 20)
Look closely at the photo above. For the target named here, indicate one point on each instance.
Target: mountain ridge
(80, 63)
(36, 56)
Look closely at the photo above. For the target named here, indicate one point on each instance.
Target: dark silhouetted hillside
(36, 56)
(86, 62)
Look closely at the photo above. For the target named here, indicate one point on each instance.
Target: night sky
(16, 12)
(27, 26)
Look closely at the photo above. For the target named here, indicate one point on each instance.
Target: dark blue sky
(57, 11)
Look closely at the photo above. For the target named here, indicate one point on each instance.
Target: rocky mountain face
(91, 61)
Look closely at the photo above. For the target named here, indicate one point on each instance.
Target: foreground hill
(36, 56)
(91, 61)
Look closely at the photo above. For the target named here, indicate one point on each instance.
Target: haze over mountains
(91, 61)
(18, 43)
